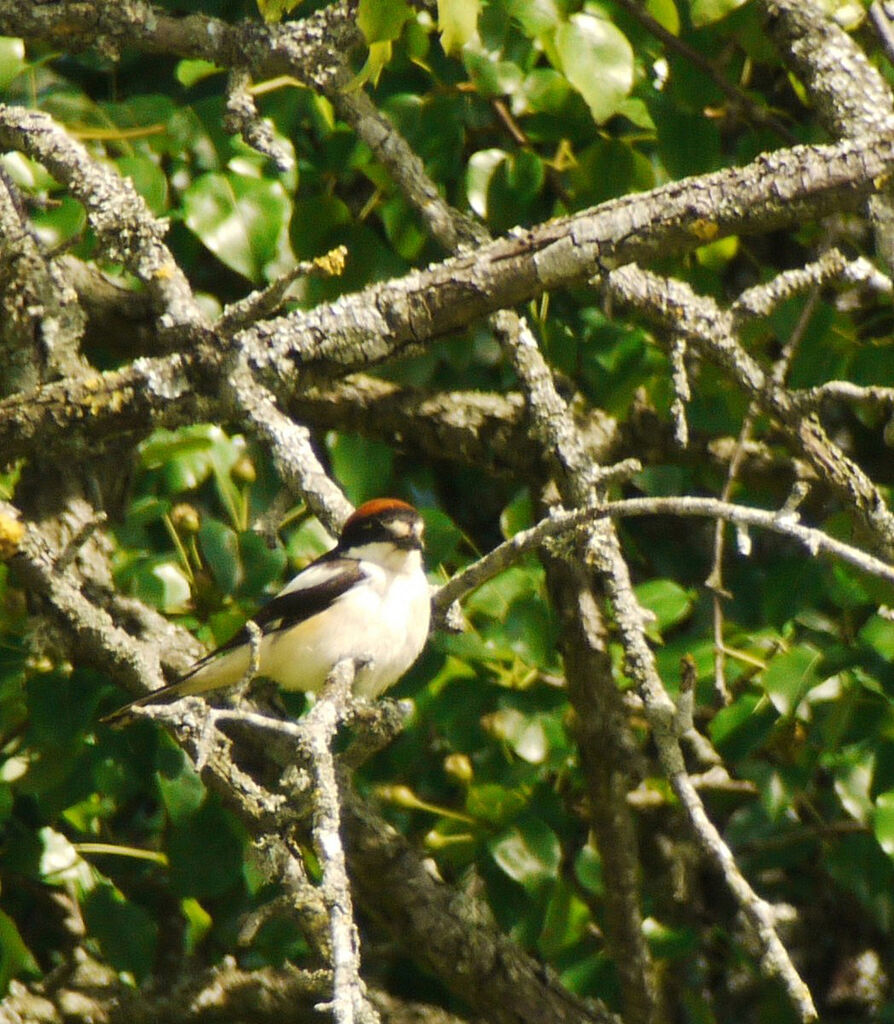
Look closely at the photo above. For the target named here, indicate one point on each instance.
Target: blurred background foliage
(551, 106)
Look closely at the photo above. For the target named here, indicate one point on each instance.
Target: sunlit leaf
(191, 72)
(482, 166)
(457, 21)
(528, 852)
(883, 821)
(495, 597)
(181, 789)
(273, 10)
(789, 676)
(704, 12)
(526, 735)
(363, 466)
(382, 20)
(12, 64)
(666, 600)
(588, 870)
(598, 61)
(537, 16)
(878, 632)
(243, 220)
(665, 13)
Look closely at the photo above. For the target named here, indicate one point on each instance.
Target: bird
(367, 599)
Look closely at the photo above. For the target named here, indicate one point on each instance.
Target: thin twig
(322, 721)
(559, 523)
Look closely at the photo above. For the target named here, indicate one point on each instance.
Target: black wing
(323, 582)
(310, 593)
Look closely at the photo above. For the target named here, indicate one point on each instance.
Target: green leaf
(859, 866)
(261, 565)
(181, 789)
(665, 13)
(883, 821)
(220, 549)
(190, 72)
(492, 78)
(402, 228)
(273, 10)
(173, 593)
(668, 601)
(479, 174)
(689, 142)
(126, 932)
(243, 220)
(743, 725)
(524, 175)
(565, 921)
(536, 17)
(362, 466)
(853, 770)
(15, 957)
(157, 581)
(514, 184)
(60, 705)
(12, 64)
(189, 456)
(878, 633)
(472, 647)
(443, 538)
(705, 12)
(671, 943)
(525, 734)
(547, 90)
(636, 111)
(528, 852)
(716, 255)
(789, 676)
(494, 804)
(198, 923)
(588, 869)
(517, 515)
(7, 798)
(205, 853)
(381, 21)
(62, 865)
(378, 56)
(458, 22)
(496, 597)
(597, 60)
(60, 223)
(166, 445)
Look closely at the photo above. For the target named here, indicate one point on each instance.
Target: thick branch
(124, 225)
(365, 328)
(304, 49)
(852, 97)
(370, 326)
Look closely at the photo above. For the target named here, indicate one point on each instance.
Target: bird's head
(385, 521)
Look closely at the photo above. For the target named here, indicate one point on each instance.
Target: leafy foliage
(521, 110)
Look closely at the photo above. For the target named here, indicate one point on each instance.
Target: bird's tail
(211, 673)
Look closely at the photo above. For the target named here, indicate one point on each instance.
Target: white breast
(383, 622)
